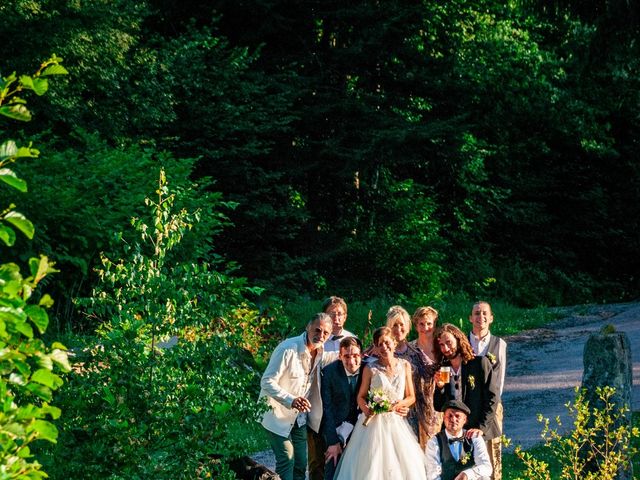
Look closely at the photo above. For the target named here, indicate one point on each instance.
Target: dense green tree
(342, 130)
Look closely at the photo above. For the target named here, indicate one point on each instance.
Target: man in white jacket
(290, 386)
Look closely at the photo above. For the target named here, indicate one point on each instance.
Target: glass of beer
(444, 374)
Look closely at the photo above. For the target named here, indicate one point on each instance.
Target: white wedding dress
(387, 448)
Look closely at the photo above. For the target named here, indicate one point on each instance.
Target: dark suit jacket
(480, 395)
(338, 404)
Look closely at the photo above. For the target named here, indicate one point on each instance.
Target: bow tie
(456, 439)
(337, 337)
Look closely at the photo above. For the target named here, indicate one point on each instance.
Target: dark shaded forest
(365, 148)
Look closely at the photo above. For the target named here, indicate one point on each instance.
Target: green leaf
(8, 149)
(47, 378)
(24, 452)
(40, 391)
(16, 112)
(54, 70)
(40, 86)
(26, 81)
(38, 316)
(61, 358)
(15, 428)
(46, 430)
(21, 222)
(46, 301)
(108, 396)
(27, 152)
(50, 410)
(25, 329)
(7, 235)
(10, 178)
(40, 268)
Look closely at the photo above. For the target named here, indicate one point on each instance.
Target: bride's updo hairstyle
(380, 332)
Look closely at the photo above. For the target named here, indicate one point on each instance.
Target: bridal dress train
(387, 448)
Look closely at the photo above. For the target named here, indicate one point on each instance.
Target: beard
(451, 355)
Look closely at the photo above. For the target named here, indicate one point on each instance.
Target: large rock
(607, 362)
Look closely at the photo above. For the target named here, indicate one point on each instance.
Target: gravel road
(545, 366)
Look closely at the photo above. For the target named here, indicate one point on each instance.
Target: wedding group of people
(423, 409)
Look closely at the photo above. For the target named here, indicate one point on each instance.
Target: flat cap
(456, 405)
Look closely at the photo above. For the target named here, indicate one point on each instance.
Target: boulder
(607, 362)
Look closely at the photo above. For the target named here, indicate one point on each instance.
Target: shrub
(29, 369)
(598, 447)
(171, 371)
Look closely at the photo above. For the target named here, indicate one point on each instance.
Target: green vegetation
(600, 443)
(30, 370)
(408, 153)
(393, 150)
(170, 372)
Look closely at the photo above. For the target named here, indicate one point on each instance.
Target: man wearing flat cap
(454, 455)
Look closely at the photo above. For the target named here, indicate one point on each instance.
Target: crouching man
(454, 455)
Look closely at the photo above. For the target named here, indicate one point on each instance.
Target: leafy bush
(598, 447)
(29, 369)
(171, 369)
(98, 188)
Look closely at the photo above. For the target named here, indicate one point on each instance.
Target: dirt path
(545, 366)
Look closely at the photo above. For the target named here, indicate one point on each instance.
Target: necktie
(353, 379)
(455, 445)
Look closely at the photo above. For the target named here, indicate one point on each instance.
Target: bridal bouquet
(378, 402)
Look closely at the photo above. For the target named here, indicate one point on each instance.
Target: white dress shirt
(333, 344)
(481, 469)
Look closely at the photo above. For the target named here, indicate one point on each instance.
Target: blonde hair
(396, 312)
(425, 312)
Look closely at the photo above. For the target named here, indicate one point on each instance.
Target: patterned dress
(423, 418)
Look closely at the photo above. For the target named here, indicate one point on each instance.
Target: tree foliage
(171, 373)
(29, 369)
(372, 147)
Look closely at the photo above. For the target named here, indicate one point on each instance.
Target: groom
(339, 387)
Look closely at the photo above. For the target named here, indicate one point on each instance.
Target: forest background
(405, 151)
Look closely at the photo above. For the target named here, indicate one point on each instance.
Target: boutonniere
(465, 458)
(472, 381)
(492, 358)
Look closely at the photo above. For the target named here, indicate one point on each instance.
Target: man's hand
(461, 476)
(473, 432)
(333, 453)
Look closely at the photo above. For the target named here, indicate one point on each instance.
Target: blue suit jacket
(338, 403)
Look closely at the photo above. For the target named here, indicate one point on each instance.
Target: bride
(386, 447)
